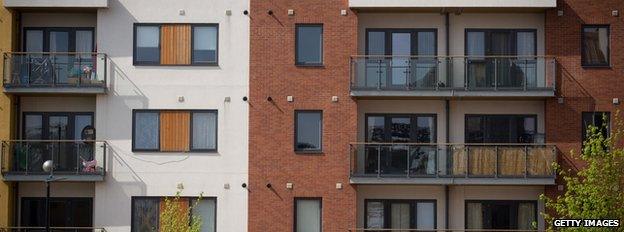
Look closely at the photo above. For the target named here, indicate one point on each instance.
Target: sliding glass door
(57, 55)
(501, 58)
(401, 58)
(52, 135)
(509, 215)
(400, 214)
(64, 212)
(413, 158)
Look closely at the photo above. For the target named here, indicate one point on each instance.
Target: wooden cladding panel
(184, 208)
(174, 130)
(175, 46)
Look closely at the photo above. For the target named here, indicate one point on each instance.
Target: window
(146, 212)
(147, 45)
(174, 130)
(500, 128)
(516, 215)
(308, 215)
(601, 120)
(309, 44)
(175, 44)
(400, 214)
(308, 130)
(595, 45)
(205, 44)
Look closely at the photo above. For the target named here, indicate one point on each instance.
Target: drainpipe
(447, 116)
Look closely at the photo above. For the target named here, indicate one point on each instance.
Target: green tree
(175, 214)
(596, 191)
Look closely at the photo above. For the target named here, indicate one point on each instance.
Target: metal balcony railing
(53, 229)
(54, 70)
(70, 157)
(406, 160)
(476, 73)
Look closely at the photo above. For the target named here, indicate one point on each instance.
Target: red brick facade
(582, 89)
(273, 73)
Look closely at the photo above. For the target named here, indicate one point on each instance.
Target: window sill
(318, 152)
(310, 65)
(596, 66)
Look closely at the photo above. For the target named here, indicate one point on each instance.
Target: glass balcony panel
(38, 69)
(511, 161)
(26, 157)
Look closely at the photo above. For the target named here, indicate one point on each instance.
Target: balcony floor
(452, 181)
(56, 90)
(20, 177)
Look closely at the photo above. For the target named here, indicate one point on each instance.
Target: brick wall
(582, 89)
(273, 73)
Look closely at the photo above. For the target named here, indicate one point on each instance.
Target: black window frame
(413, 204)
(516, 202)
(195, 63)
(296, 199)
(488, 44)
(414, 38)
(45, 117)
(46, 36)
(466, 116)
(413, 120)
(305, 64)
(189, 198)
(304, 151)
(135, 62)
(191, 150)
(584, 63)
(594, 115)
(134, 119)
(216, 113)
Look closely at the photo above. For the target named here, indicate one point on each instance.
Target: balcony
(59, 4)
(463, 76)
(462, 164)
(54, 73)
(83, 160)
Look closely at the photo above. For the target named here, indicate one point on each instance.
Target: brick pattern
(271, 153)
(582, 89)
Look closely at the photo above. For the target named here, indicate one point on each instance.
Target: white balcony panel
(452, 3)
(56, 3)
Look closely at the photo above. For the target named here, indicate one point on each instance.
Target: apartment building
(130, 100)
(444, 115)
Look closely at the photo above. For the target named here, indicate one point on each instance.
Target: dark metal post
(47, 202)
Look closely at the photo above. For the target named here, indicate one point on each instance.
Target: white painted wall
(158, 87)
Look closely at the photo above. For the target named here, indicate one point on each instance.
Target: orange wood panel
(175, 40)
(174, 130)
